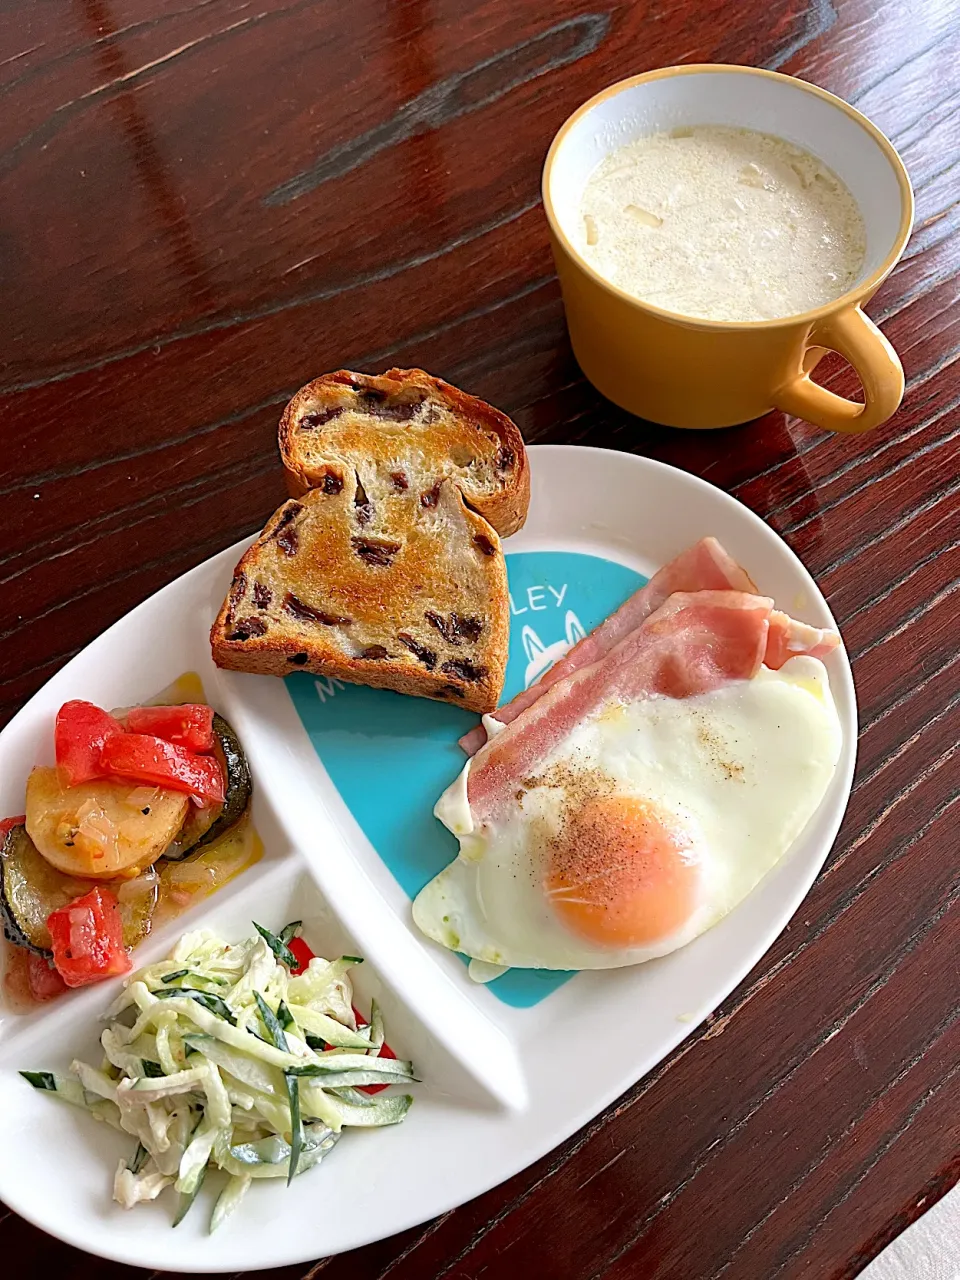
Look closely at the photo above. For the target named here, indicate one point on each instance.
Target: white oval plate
(492, 1100)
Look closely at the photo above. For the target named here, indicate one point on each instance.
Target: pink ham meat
(694, 642)
(788, 639)
(703, 567)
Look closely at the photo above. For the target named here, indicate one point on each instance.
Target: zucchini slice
(203, 826)
(30, 889)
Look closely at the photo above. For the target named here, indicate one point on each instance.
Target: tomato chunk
(7, 825)
(87, 936)
(164, 764)
(45, 983)
(79, 737)
(189, 725)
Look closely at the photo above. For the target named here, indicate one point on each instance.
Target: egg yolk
(622, 873)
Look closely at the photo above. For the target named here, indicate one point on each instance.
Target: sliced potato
(104, 829)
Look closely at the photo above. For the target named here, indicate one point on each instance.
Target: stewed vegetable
(206, 824)
(87, 938)
(104, 828)
(78, 880)
(31, 890)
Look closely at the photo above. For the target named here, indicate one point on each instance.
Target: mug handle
(859, 341)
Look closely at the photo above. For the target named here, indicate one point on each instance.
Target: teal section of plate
(390, 757)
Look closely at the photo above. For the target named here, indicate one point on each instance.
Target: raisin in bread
(410, 424)
(383, 576)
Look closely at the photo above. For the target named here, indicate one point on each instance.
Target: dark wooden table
(203, 203)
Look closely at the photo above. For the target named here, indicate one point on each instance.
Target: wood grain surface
(207, 202)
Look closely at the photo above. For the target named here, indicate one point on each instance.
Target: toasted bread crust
(494, 476)
(442, 570)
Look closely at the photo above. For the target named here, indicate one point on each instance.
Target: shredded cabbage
(218, 1057)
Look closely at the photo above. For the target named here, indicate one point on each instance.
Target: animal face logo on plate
(541, 657)
(410, 744)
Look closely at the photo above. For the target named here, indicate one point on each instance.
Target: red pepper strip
(189, 725)
(151, 760)
(7, 825)
(302, 952)
(304, 956)
(79, 738)
(87, 937)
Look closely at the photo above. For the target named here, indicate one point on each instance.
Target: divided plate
(500, 1085)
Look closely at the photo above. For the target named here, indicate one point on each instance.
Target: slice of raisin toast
(378, 577)
(411, 425)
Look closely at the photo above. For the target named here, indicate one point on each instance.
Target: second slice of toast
(413, 425)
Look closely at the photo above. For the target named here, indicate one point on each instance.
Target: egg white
(743, 768)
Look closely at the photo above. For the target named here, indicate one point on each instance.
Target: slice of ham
(789, 638)
(703, 567)
(694, 642)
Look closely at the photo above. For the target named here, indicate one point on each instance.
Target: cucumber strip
(71, 1091)
(349, 1094)
(41, 1080)
(275, 1032)
(341, 1062)
(289, 932)
(177, 973)
(383, 1111)
(186, 1201)
(152, 1070)
(195, 976)
(272, 1109)
(242, 1066)
(376, 1028)
(169, 1045)
(278, 946)
(329, 1029)
(356, 1079)
(206, 1000)
(272, 1150)
(296, 1124)
(285, 1017)
(229, 1198)
(193, 1162)
(316, 1104)
(252, 1159)
(138, 1159)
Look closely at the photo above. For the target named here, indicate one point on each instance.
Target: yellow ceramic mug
(687, 372)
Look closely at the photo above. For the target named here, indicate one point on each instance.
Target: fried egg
(645, 826)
